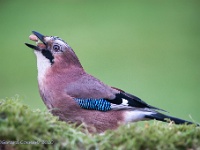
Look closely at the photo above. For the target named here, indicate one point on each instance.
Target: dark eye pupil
(56, 47)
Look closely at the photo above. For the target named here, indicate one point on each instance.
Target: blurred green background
(148, 48)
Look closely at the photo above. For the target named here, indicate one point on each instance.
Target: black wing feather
(132, 101)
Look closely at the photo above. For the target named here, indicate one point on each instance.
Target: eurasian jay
(78, 97)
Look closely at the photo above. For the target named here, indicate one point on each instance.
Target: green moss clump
(24, 129)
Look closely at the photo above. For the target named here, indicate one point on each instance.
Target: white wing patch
(120, 107)
(123, 105)
(124, 102)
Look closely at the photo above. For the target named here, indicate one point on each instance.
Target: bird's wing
(121, 101)
(118, 100)
(126, 99)
(91, 93)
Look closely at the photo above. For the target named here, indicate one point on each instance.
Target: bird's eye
(57, 48)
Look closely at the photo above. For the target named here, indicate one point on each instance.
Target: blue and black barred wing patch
(94, 104)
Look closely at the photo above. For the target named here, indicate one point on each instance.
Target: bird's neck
(43, 65)
(71, 59)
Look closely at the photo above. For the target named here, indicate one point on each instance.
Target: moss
(23, 128)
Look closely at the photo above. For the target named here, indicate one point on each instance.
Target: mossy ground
(23, 128)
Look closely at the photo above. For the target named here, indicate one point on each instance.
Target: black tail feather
(162, 117)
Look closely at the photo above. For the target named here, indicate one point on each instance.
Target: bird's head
(53, 49)
(52, 52)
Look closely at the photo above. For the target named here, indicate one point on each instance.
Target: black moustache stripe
(48, 55)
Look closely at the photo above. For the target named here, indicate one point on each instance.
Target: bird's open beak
(39, 46)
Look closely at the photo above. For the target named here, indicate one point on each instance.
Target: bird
(75, 96)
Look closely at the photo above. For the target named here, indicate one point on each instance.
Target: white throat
(43, 64)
